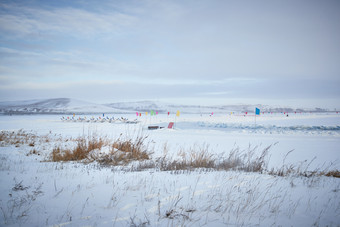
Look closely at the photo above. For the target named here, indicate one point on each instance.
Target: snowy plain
(36, 192)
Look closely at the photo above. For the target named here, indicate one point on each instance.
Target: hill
(54, 106)
(70, 106)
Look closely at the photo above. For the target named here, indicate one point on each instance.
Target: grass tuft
(121, 151)
(333, 173)
(83, 147)
(17, 138)
(124, 151)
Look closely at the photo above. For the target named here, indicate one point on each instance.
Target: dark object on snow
(154, 127)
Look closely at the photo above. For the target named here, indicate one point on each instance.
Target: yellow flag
(146, 113)
(177, 114)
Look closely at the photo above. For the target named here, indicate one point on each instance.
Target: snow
(36, 192)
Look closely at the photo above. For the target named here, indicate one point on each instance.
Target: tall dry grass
(17, 138)
(84, 145)
(247, 161)
(125, 151)
(122, 151)
(200, 157)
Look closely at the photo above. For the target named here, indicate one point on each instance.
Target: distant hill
(70, 106)
(145, 106)
(52, 106)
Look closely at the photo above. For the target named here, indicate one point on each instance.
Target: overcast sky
(201, 51)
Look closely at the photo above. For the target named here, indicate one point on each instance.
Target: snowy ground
(34, 192)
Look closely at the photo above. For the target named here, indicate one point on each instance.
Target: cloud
(61, 65)
(216, 49)
(170, 39)
(26, 21)
(106, 90)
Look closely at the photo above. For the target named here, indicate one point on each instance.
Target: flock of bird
(99, 120)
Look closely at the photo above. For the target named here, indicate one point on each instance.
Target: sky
(276, 52)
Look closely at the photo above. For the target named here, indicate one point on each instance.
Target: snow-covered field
(38, 192)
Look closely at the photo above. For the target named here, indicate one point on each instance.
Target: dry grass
(17, 138)
(135, 147)
(124, 151)
(200, 157)
(293, 170)
(303, 169)
(246, 161)
(121, 151)
(193, 158)
(334, 173)
(33, 152)
(83, 147)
